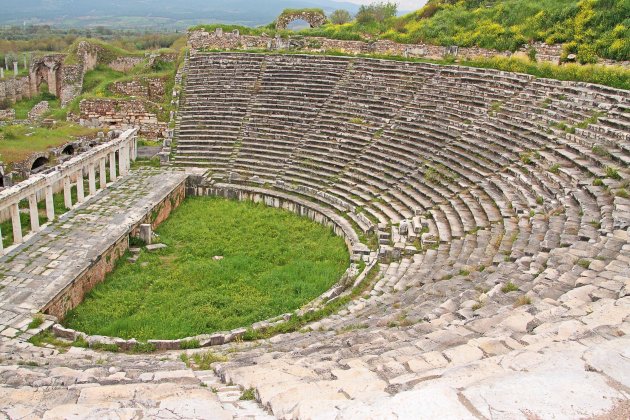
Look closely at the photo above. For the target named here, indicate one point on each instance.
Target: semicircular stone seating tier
(505, 195)
(511, 189)
(314, 18)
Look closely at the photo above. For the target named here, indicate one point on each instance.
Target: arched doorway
(39, 164)
(68, 150)
(298, 25)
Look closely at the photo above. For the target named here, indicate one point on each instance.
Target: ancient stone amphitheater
(499, 204)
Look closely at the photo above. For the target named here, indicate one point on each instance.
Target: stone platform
(39, 269)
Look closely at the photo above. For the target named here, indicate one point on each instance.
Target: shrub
(623, 193)
(509, 287)
(612, 173)
(531, 54)
(584, 263)
(600, 151)
(248, 395)
(586, 54)
(522, 300)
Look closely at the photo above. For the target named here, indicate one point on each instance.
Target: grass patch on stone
(203, 360)
(36, 322)
(509, 287)
(21, 141)
(273, 262)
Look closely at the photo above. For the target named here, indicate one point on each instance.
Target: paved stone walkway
(32, 274)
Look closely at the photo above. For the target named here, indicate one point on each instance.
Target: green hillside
(589, 28)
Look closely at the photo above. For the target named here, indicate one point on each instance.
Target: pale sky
(407, 5)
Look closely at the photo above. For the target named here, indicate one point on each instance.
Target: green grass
(23, 107)
(96, 81)
(587, 28)
(274, 262)
(21, 141)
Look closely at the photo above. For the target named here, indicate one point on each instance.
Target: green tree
(376, 12)
(339, 17)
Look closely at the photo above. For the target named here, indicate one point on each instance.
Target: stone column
(1, 73)
(102, 174)
(17, 227)
(135, 148)
(123, 156)
(80, 192)
(50, 204)
(112, 166)
(67, 193)
(15, 68)
(92, 179)
(131, 151)
(34, 213)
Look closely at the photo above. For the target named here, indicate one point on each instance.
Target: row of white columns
(126, 153)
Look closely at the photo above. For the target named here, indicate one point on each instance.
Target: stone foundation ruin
(200, 39)
(121, 115)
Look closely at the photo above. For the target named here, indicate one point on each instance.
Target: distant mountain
(153, 13)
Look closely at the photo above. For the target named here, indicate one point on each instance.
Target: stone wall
(125, 64)
(149, 88)
(198, 186)
(121, 115)
(200, 39)
(15, 89)
(38, 110)
(544, 52)
(71, 83)
(7, 114)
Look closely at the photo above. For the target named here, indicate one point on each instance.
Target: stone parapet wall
(121, 115)
(200, 39)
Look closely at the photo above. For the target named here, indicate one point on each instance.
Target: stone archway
(315, 18)
(47, 70)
